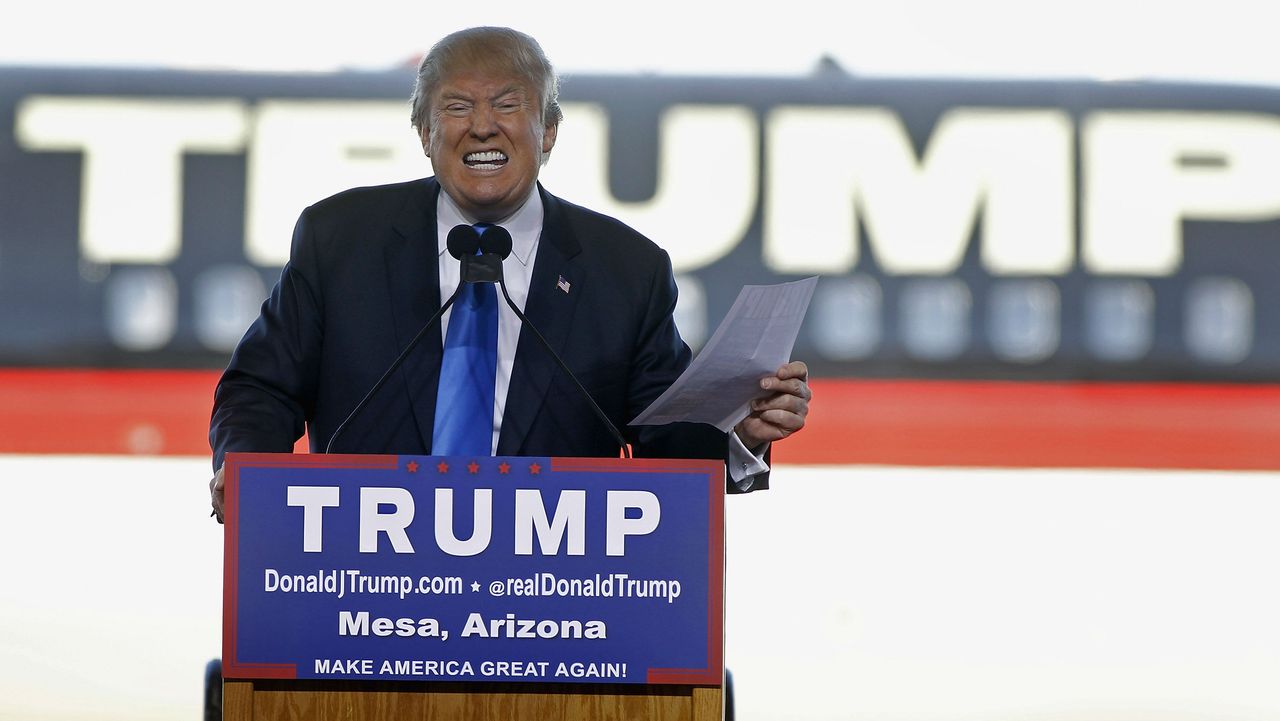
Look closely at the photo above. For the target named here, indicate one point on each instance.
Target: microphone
(496, 240)
(463, 242)
(496, 243)
(481, 255)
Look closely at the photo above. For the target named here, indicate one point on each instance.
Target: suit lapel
(554, 290)
(413, 279)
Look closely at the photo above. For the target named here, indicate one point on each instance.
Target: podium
(258, 700)
(397, 587)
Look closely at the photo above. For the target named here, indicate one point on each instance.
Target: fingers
(767, 427)
(783, 410)
(785, 422)
(786, 393)
(794, 369)
(776, 408)
(791, 379)
(792, 387)
(216, 486)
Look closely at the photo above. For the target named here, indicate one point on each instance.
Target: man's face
(486, 141)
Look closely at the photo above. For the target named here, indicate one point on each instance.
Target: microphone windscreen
(464, 240)
(496, 240)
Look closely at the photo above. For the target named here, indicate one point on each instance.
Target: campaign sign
(485, 569)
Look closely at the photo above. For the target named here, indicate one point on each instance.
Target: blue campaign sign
(486, 569)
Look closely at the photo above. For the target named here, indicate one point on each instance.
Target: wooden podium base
(358, 701)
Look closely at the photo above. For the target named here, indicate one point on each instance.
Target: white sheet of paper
(752, 342)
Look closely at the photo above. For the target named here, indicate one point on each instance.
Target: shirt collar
(524, 225)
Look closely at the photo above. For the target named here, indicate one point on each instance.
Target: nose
(484, 122)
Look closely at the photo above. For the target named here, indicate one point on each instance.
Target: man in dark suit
(367, 269)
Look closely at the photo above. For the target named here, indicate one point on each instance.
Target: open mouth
(487, 160)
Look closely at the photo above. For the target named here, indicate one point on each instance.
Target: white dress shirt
(525, 227)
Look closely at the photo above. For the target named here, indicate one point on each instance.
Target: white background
(1225, 40)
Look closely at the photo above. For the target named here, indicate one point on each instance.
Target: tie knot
(480, 229)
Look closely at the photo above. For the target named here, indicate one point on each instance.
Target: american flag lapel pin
(563, 284)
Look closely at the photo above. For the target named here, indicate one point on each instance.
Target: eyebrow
(448, 94)
(508, 91)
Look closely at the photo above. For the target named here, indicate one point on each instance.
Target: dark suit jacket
(361, 281)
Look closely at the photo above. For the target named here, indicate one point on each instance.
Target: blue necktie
(464, 400)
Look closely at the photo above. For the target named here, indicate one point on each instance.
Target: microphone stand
(390, 370)
(617, 435)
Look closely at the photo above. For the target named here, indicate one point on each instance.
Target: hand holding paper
(780, 413)
(742, 377)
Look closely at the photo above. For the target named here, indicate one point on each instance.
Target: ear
(549, 137)
(425, 138)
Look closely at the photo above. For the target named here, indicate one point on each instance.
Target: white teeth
(488, 156)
